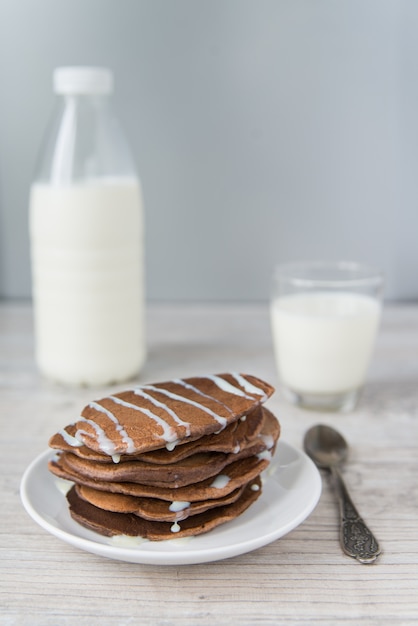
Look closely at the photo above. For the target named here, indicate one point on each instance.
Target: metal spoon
(328, 449)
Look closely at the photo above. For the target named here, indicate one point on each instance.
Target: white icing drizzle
(125, 541)
(174, 396)
(70, 440)
(236, 449)
(175, 528)
(63, 485)
(255, 487)
(139, 392)
(249, 387)
(130, 446)
(220, 481)
(243, 418)
(180, 381)
(178, 506)
(106, 445)
(267, 440)
(266, 454)
(228, 388)
(171, 445)
(168, 432)
(116, 458)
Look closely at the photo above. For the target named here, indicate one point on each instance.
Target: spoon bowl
(325, 446)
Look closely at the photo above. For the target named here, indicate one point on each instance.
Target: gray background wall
(264, 131)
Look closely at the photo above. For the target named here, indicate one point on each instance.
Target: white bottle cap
(83, 80)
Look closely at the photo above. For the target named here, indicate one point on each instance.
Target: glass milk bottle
(86, 231)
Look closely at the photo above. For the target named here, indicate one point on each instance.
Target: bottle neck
(83, 142)
(96, 104)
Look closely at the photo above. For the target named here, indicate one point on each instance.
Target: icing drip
(249, 387)
(175, 528)
(174, 396)
(255, 487)
(168, 432)
(125, 541)
(171, 445)
(139, 392)
(265, 455)
(267, 440)
(63, 485)
(225, 386)
(220, 481)
(130, 447)
(178, 506)
(69, 439)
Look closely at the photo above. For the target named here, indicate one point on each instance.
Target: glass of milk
(325, 316)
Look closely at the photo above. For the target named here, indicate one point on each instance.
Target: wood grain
(301, 579)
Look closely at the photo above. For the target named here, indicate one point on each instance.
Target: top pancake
(233, 438)
(161, 415)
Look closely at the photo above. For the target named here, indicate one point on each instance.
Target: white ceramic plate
(291, 490)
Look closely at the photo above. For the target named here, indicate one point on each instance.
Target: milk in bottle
(86, 230)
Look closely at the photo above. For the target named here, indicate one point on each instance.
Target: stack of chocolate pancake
(170, 459)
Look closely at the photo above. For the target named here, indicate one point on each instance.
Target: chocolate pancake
(234, 437)
(191, 470)
(109, 523)
(185, 472)
(239, 473)
(152, 508)
(163, 414)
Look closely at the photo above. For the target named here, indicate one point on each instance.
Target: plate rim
(165, 557)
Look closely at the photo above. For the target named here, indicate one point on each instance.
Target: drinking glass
(325, 317)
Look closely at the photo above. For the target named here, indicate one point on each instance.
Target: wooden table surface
(302, 578)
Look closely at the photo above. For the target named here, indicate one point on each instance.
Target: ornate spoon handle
(356, 538)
